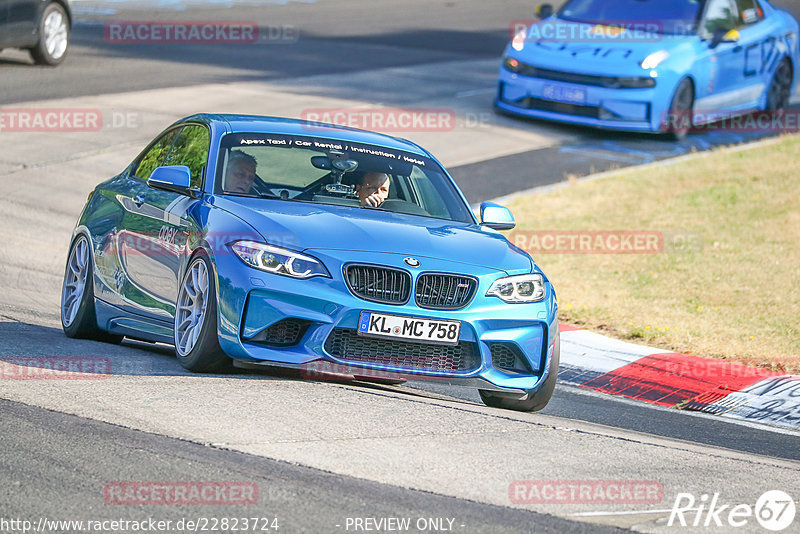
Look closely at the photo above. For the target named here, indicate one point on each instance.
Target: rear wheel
(78, 316)
(53, 36)
(536, 400)
(780, 89)
(681, 111)
(196, 340)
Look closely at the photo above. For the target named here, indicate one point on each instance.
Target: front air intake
(444, 291)
(379, 284)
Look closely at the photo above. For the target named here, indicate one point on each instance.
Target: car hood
(590, 54)
(304, 225)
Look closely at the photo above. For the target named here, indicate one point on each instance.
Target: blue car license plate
(563, 93)
(410, 328)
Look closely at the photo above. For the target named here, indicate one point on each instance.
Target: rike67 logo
(774, 510)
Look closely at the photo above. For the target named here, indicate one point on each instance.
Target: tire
(780, 88)
(78, 315)
(536, 399)
(195, 326)
(53, 36)
(680, 118)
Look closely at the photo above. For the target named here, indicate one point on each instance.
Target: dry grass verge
(727, 282)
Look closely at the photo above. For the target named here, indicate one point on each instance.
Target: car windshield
(677, 17)
(330, 171)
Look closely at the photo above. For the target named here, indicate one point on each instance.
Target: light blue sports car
(265, 241)
(650, 65)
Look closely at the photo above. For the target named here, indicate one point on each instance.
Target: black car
(41, 26)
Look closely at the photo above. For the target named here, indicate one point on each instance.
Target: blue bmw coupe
(259, 241)
(650, 65)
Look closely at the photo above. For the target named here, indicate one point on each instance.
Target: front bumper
(252, 301)
(641, 110)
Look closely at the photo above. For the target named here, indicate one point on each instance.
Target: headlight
(654, 60)
(522, 288)
(518, 43)
(278, 260)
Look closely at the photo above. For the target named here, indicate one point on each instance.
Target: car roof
(280, 125)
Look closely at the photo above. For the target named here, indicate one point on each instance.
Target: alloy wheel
(55, 34)
(74, 280)
(191, 307)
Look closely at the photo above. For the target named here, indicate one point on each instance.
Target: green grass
(727, 283)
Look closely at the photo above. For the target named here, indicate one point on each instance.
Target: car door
(723, 60)
(144, 270)
(171, 212)
(22, 20)
(4, 7)
(160, 224)
(760, 38)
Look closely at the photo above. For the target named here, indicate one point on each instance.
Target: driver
(240, 173)
(373, 189)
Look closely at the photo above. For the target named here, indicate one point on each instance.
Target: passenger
(373, 189)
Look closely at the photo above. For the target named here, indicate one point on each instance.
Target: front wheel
(196, 340)
(680, 118)
(535, 400)
(53, 36)
(78, 316)
(780, 89)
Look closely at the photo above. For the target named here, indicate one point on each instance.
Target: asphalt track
(46, 452)
(419, 450)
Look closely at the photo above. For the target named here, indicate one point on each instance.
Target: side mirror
(721, 36)
(174, 178)
(496, 216)
(731, 37)
(544, 11)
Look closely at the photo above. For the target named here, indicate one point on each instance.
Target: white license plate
(563, 93)
(413, 328)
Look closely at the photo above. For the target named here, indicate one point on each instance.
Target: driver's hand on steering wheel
(373, 190)
(372, 201)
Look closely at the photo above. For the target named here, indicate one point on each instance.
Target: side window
(191, 149)
(155, 155)
(750, 11)
(721, 17)
(431, 201)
